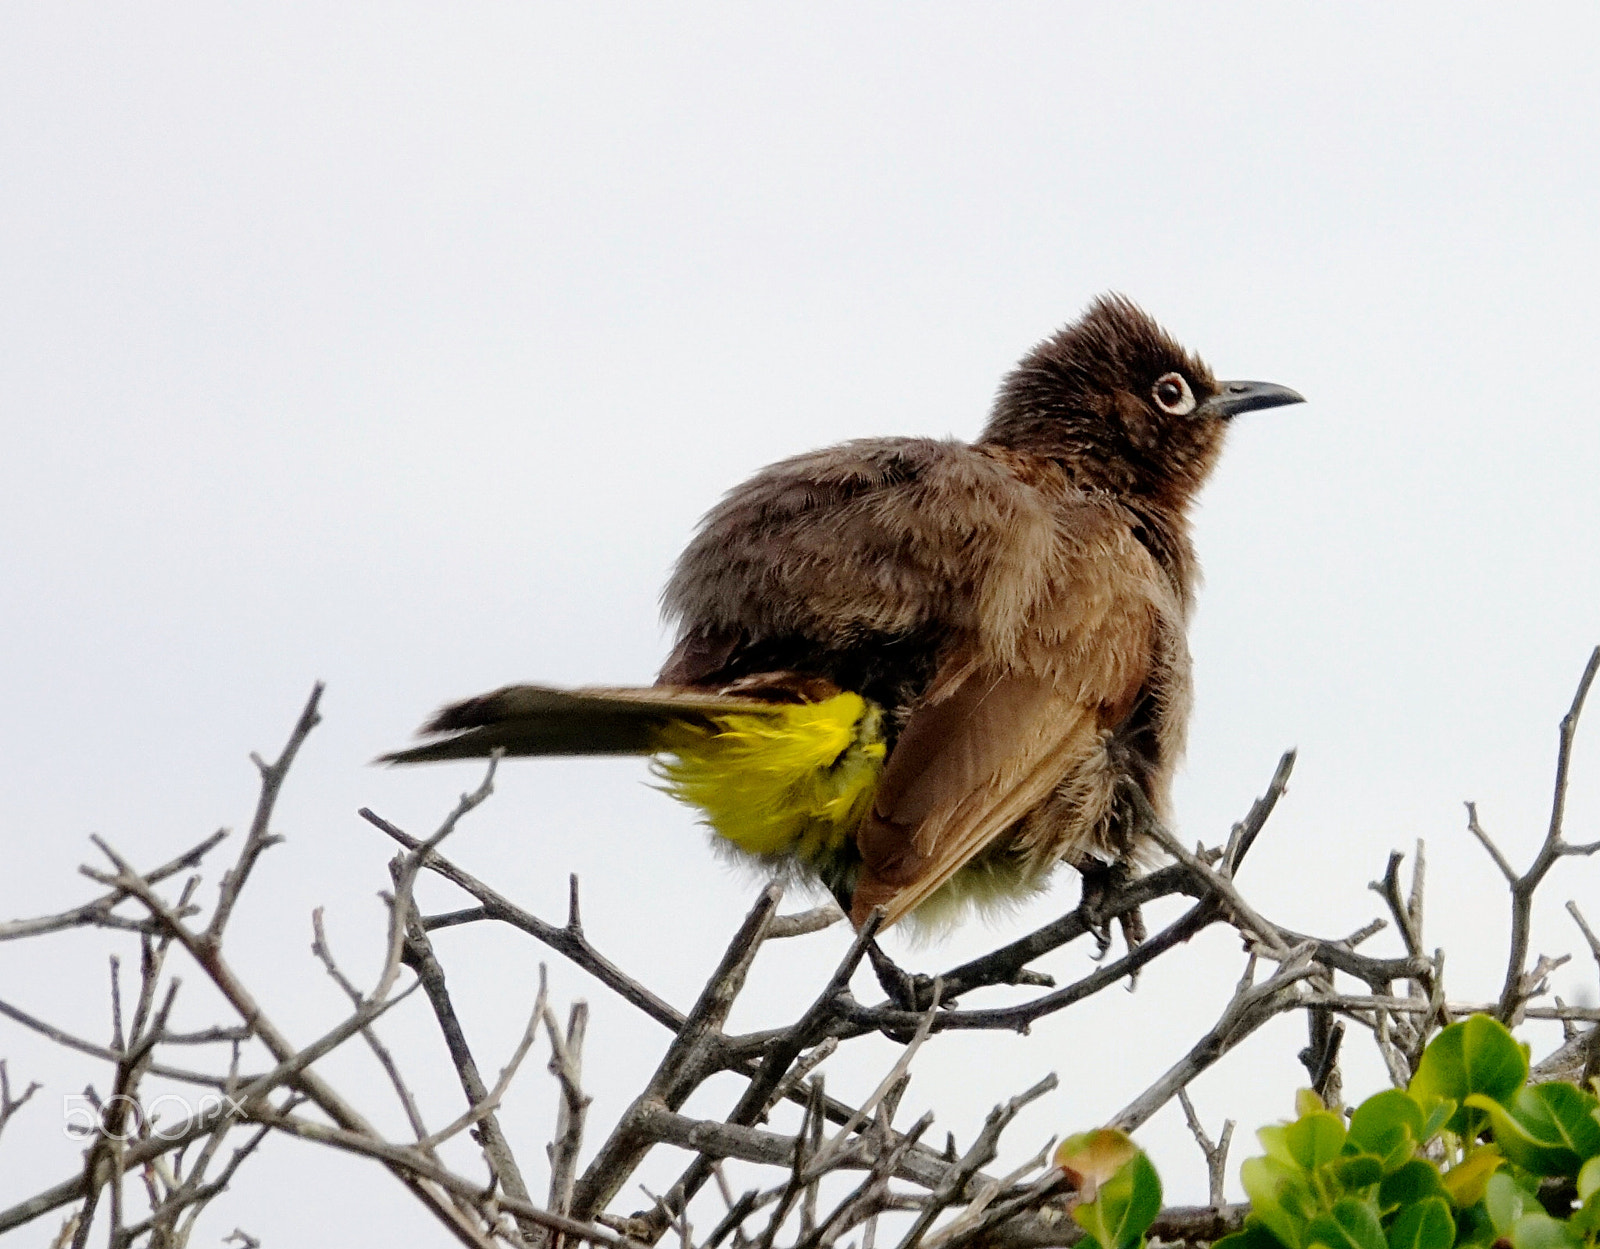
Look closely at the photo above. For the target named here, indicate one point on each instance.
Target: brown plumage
(1017, 606)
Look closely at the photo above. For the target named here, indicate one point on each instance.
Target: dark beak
(1233, 398)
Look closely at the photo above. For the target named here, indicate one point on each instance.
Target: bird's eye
(1172, 394)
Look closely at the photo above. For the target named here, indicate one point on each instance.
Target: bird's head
(1122, 406)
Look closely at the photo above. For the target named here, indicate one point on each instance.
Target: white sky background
(402, 346)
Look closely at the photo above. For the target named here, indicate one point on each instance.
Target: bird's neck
(1158, 518)
(1164, 532)
(1089, 457)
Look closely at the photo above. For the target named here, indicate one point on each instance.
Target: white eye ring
(1172, 394)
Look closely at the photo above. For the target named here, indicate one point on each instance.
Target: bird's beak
(1233, 398)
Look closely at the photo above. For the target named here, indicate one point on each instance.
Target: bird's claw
(906, 990)
(1101, 882)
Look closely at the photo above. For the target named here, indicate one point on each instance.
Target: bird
(922, 673)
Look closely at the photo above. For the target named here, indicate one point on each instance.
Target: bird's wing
(1003, 726)
(882, 536)
(538, 720)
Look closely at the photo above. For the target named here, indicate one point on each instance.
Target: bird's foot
(1133, 927)
(1101, 883)
(1134, 933)
(908, 991)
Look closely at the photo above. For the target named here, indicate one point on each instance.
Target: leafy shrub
(1469, 1154)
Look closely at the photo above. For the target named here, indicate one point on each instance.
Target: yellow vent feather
(795, 779)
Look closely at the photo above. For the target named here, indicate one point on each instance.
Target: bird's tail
(538, 720)
(772, 776)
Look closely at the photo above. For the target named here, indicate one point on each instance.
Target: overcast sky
(402, 346)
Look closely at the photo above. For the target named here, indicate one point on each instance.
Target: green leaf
(1355, 1170)
(1126, 1206)
(1274, 1139)
(1474, 1228)
(1381, 1114)
(1506, 1201)
(1144, 1199)
(1539, 1231)
(1476, 1055)
(1314, 1139)
(1469, 1178)
(1388, 1124)
(1546, 1128)
(1253, 1235)
(1589, 1179)
(1437, 1112)
(1351, 1224)
(1279, 1197)
(1424, 1225)
(1415, 1182)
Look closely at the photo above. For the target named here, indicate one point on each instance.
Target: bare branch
(792, 1190)
(984, 1211)
(949, 1201)
(803, 1067)
(404, 873)
(1517, 983)
(1370, 929)
(1321, 1055)
(802, 923)
(1244, 915)
(872, 1195)
(405, 1158)
(864, 1018)
(420, 957)
(1190, 1225)
(566, 1064)
(1244, 833)
(9, 1105)
(99, 912)
(209, 956)
(272, 778)
(484, 1108)
(1589, 937)
(979, 1155)
(1005, 965)
(780, 1053)
(1500, 860)
(687, 1061)
(569, 942)
(1569, 730)
(1399, 908)
(193, 1195)
(67, 1041)
(1417, 898)
(1245, 1012)
(897, 1073)
(408, 1103)
(1216, 1154)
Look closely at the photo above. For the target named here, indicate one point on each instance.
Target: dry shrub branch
(832, 1180)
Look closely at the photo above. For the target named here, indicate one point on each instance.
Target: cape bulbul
(924, 672)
